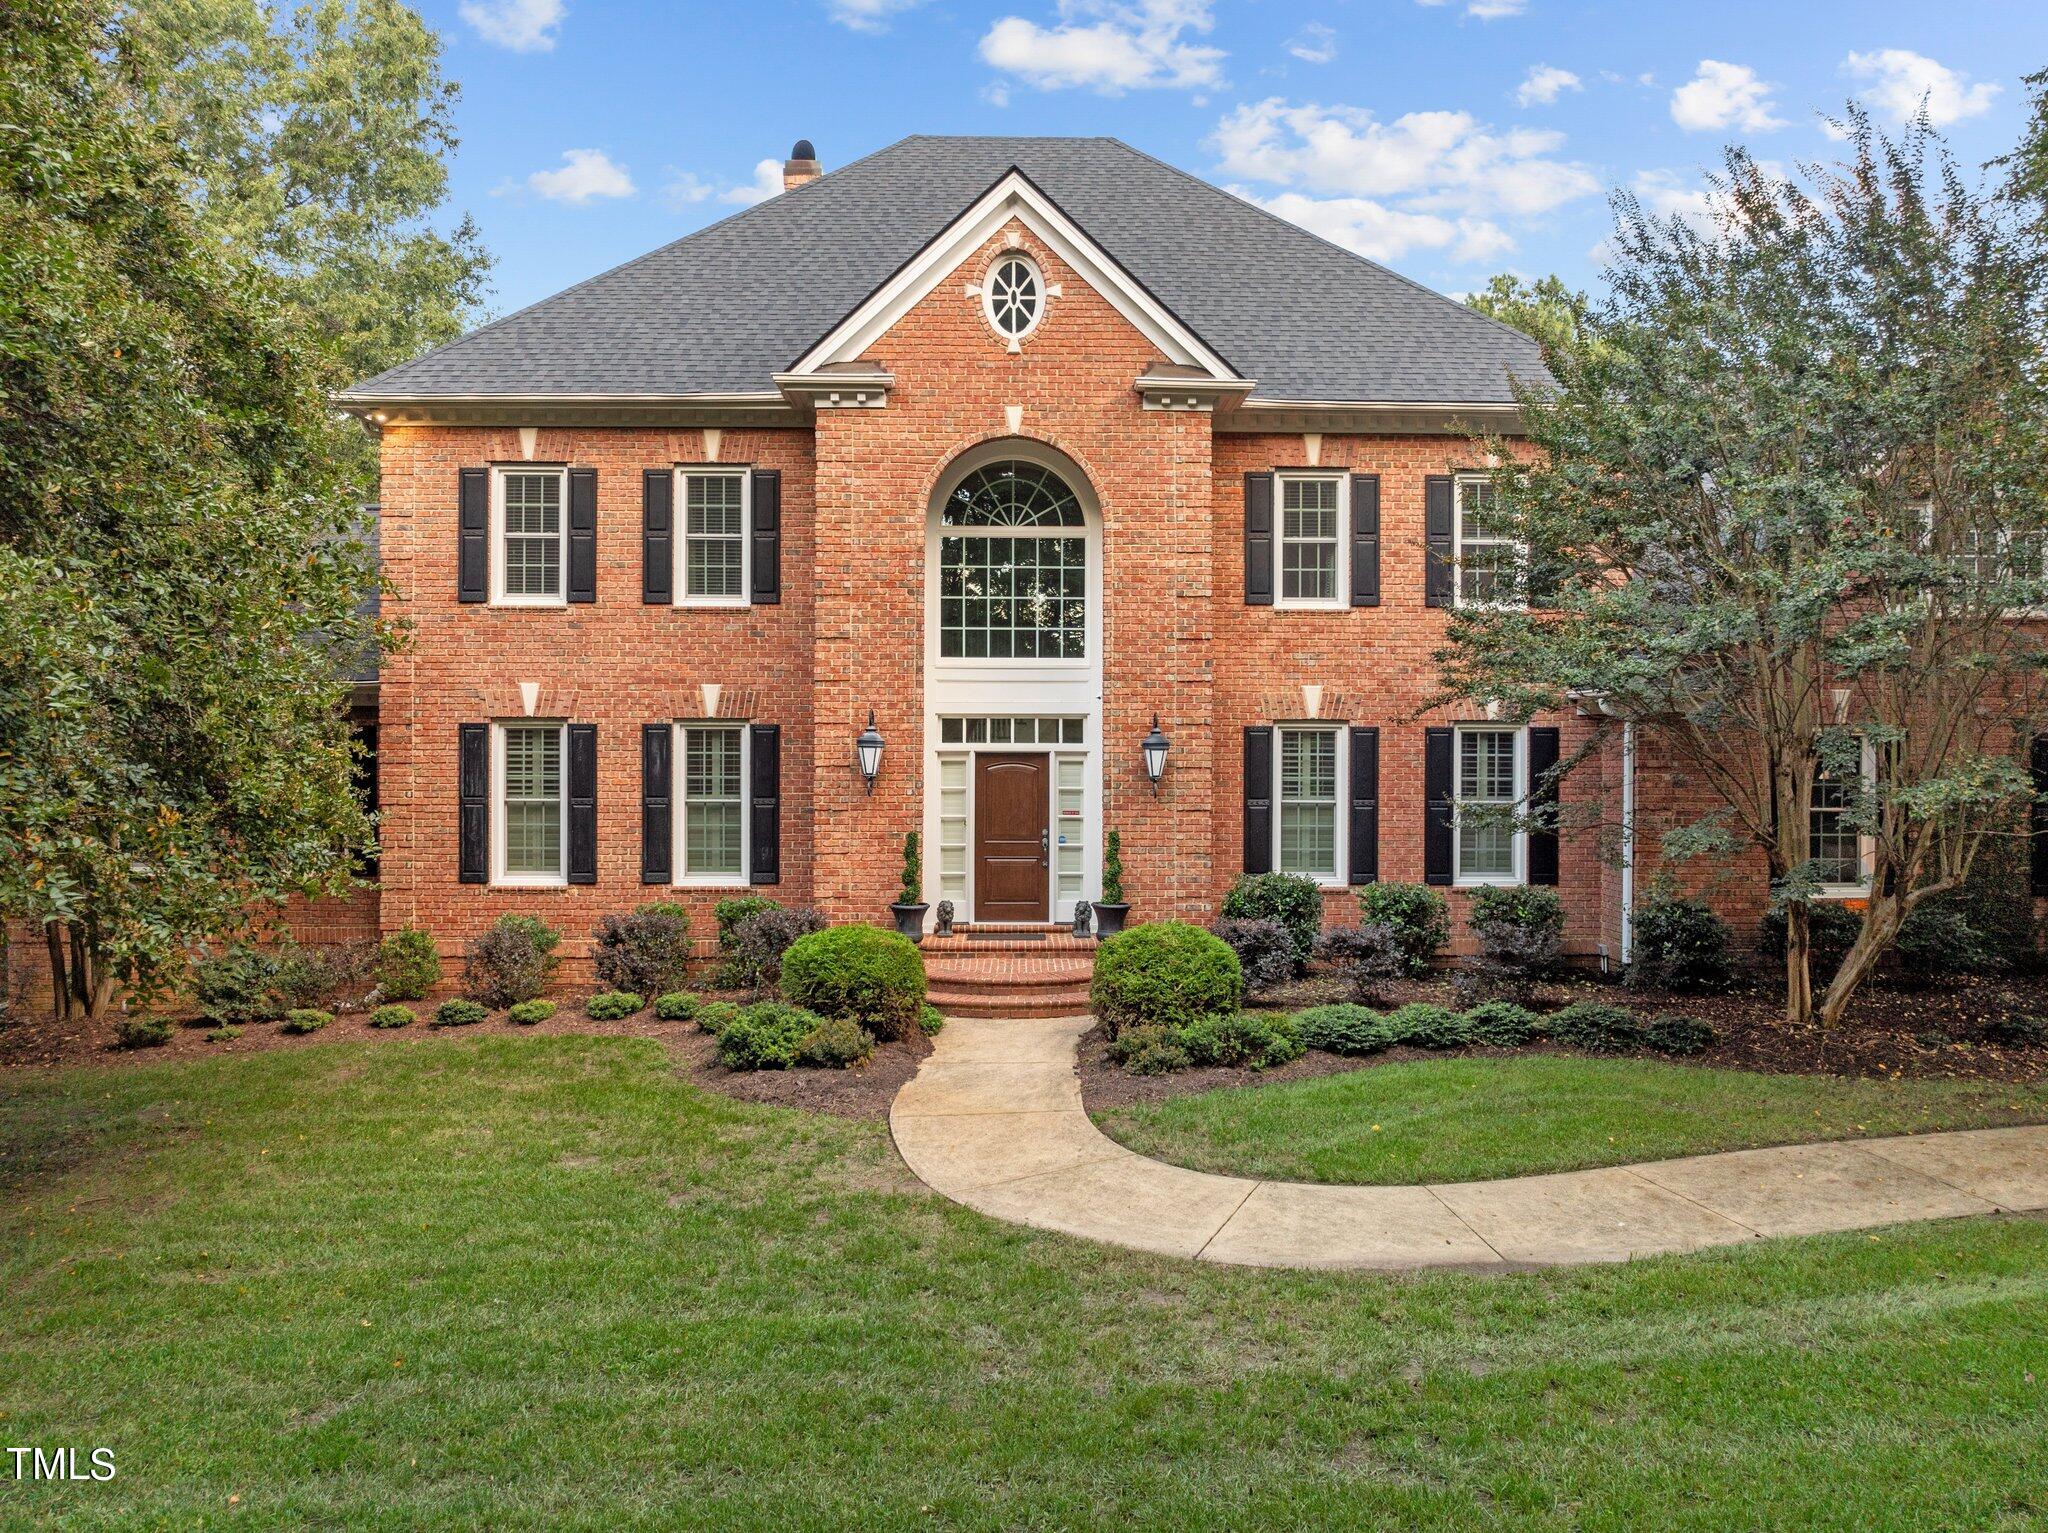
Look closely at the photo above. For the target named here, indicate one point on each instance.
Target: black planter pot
(1109, 919)
(910, 919)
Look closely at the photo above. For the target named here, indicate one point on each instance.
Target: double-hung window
(713, 829)
(1490, 562)
(714, 543)
(1834, 845)
(1305, 826)
(1487, 783)
(530, 803)
(532, 535)
(1312, 543)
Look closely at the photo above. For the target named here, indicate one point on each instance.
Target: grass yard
(540, 1282)
(1470, 1118)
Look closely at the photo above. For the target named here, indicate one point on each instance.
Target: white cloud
(1126, 46)
(1901, 80)
(683, 189)
(1314, 43)
(1381, 233)
(996, 93)
(524, 26)
(868, 15)
(1724, 95)
(1544, 84)
(584, 176)
(767, 183)
(1666, 194)
(1486, 10)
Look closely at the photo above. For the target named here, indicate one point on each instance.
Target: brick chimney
(801, 166)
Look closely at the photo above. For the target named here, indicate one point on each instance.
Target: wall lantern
(867, 749)
(1154, 747)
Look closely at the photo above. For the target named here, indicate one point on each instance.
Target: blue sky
(1448, 138)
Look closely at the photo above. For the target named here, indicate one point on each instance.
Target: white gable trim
(1012, 197)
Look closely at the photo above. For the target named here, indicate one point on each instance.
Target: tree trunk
(60, 972)
(1881, 922)
(1798, 967)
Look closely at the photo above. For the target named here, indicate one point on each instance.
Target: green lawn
(1453, 1120)
(543, 1283)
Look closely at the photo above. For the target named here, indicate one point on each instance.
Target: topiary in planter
(392, 1016)
(612, 1005)
(1419, 915)
(527, 1013)
(511, 962)
(1596, 1027)
(676, 1006)
(305, 1019)
(1342, 1029)
(1289, 898)
(1164, 972)
(646, 952)
(459, 1014)
(408, 964)
(874, 977)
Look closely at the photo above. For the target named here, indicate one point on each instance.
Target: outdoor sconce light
(1154, 747)
(867, 749)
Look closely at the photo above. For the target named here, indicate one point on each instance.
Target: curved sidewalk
(994, 1120)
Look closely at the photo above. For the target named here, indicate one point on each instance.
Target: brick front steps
(1038, 971)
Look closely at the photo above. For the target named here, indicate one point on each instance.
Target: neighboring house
(1016, 444)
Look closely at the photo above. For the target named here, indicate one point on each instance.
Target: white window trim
(679, 576)
(499, 873)
(1341, 849)
(2006, 535)
(1459, 484)
(988, 294)
(1520, 872)
(500, 597)
(679, 809)
(1341, 600)
(1866, 847)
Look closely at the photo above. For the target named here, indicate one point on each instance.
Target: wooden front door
(1011, 869)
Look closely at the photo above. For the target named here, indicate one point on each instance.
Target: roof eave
(724, 407)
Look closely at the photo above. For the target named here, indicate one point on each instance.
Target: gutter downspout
(1628, 839)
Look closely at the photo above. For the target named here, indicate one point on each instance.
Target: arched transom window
(1013, 567)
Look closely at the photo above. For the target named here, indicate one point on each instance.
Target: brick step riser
(1009, 974)
(1021, 1011)
(1065, 995)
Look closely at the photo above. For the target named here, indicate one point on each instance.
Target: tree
(1545, 310)
(1788, 498)
(180, 576)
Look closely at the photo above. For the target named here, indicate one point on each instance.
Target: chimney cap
(803, 150)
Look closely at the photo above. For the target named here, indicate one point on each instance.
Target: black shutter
(1258, 540)
(657, 536)
(1365, 806)
(473, 796)
(1365, 540)
(582, 534)
(2037, 818)
(765, 832)
(473, 552)
(1542, 807)
(657, 827)
(1436, 533)
(1436, 806)
(1258, 798)
(767, 535)
(582, 803)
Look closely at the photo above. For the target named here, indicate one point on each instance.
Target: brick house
(1014, 445)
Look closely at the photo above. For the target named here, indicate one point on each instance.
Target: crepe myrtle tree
(1785, 503)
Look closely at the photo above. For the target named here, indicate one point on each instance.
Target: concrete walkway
(994, 1120)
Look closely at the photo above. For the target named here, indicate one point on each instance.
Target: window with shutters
(531, 536)
(531, 803)
(1314, 546)
(711, 831)
(713, 546)
(1487, 783)
(1307, 770)
(1490, 562)
(1838, 850)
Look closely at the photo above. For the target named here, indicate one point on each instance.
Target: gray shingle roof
(722, 310)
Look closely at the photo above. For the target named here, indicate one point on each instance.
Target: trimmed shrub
(307, 977)
(1164, 972)
(1368, 957)
(392, 1016)
(144, 1032)
(1255, 1039)
(676, 1006)
(1669, 1033)
(647, 952)
(408, 964)
(728, 914)
(1292, 899)
(1113, 868)
(766, 1036)
(227, 1032)
(611, 1005)
(1149, 1050)
(305, 1019)
(1597, 1027)
(1423, 1026)
(931, 1019)
(236, 986)
(1831, 932)
(1997, 900)
(510, 963)
(862, 972)
(460, 1013)
(836, 1043)
(527, 1013)
(760, 940)
(1681, 945)
(1342, 1029)
(2016, 1032)
(1419, 915)
(1937, 942)
(1264, 948)
(1520, 932)
(716, 1016)
(1503, 1024)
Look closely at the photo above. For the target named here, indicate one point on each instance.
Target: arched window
(1023, 594)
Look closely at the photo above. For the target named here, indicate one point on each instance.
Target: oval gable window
(1014, 296)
